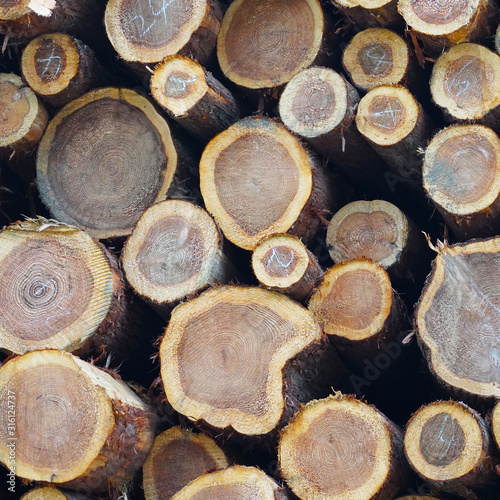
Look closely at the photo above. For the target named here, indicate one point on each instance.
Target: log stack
(217, 221)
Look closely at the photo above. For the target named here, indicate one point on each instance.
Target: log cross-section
(223, 354)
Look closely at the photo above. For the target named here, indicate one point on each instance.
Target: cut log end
(460, 303)
(375, 230)
(177, 457)
(314, 102)
(447, 441)
(264, 44)
(178, 84)
(340, 448)
(387, 115)
(89, 178)
(23, 116)
(74, 423)
(429, 18)
(354, 301)
(267, 191)
(283, 263)
(233, 482)
(461, 174)
(223, 354)
(375, 57)
(173, 252)
(13, 10)
(495, 424)
(149, 32)
(463, 82)
(57, 286)
(51, 493)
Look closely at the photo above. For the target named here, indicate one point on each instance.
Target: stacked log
(220, 195)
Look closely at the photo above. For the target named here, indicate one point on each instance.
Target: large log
(458, 317)
(148, 31)
(104, 159)
(59, 68)
(74, 424)
(340, 448)
(441, 25)
(226, 359)
(464, 83)
(174, 251)
(461, 175)
(236, 482)
(194, 97)
(177, 457)
(448, 445)
(264, 43)
(257, 179)
(59, 289)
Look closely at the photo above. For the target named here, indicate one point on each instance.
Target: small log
(75, 425)
(224, 353)
(370, 13)
(105, 158)
(177, 457)
(319, 105)
(375, 230)
(257, 179)
(24, 119)
(233, 482)
(30, 18)
(464, 83)
(461, 175)
(282, 263)
(442, 25)
(50, 493)
(397, 127)
(59, 289)
(59, 68)
(356, 306)
(378, 56)
(448, 445)
(147, 32)
(464, 281)
(174, 251)
(341, 448)
(495, 424)
(263, 44)
(193, 97)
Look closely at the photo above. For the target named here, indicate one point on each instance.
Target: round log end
(264, 44)
(173, 252)
(354, 301)
(10, 11)
(255, 179)
(375, 230)
(148, 32)
(375, 57)
(56, 285)
(178, 84)
(387, 114)
(444, 441)
(105, 158)
(177, 457)
(336, 448)
(314, 102)
(464, 81)
(461, 171)
(223, 353)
